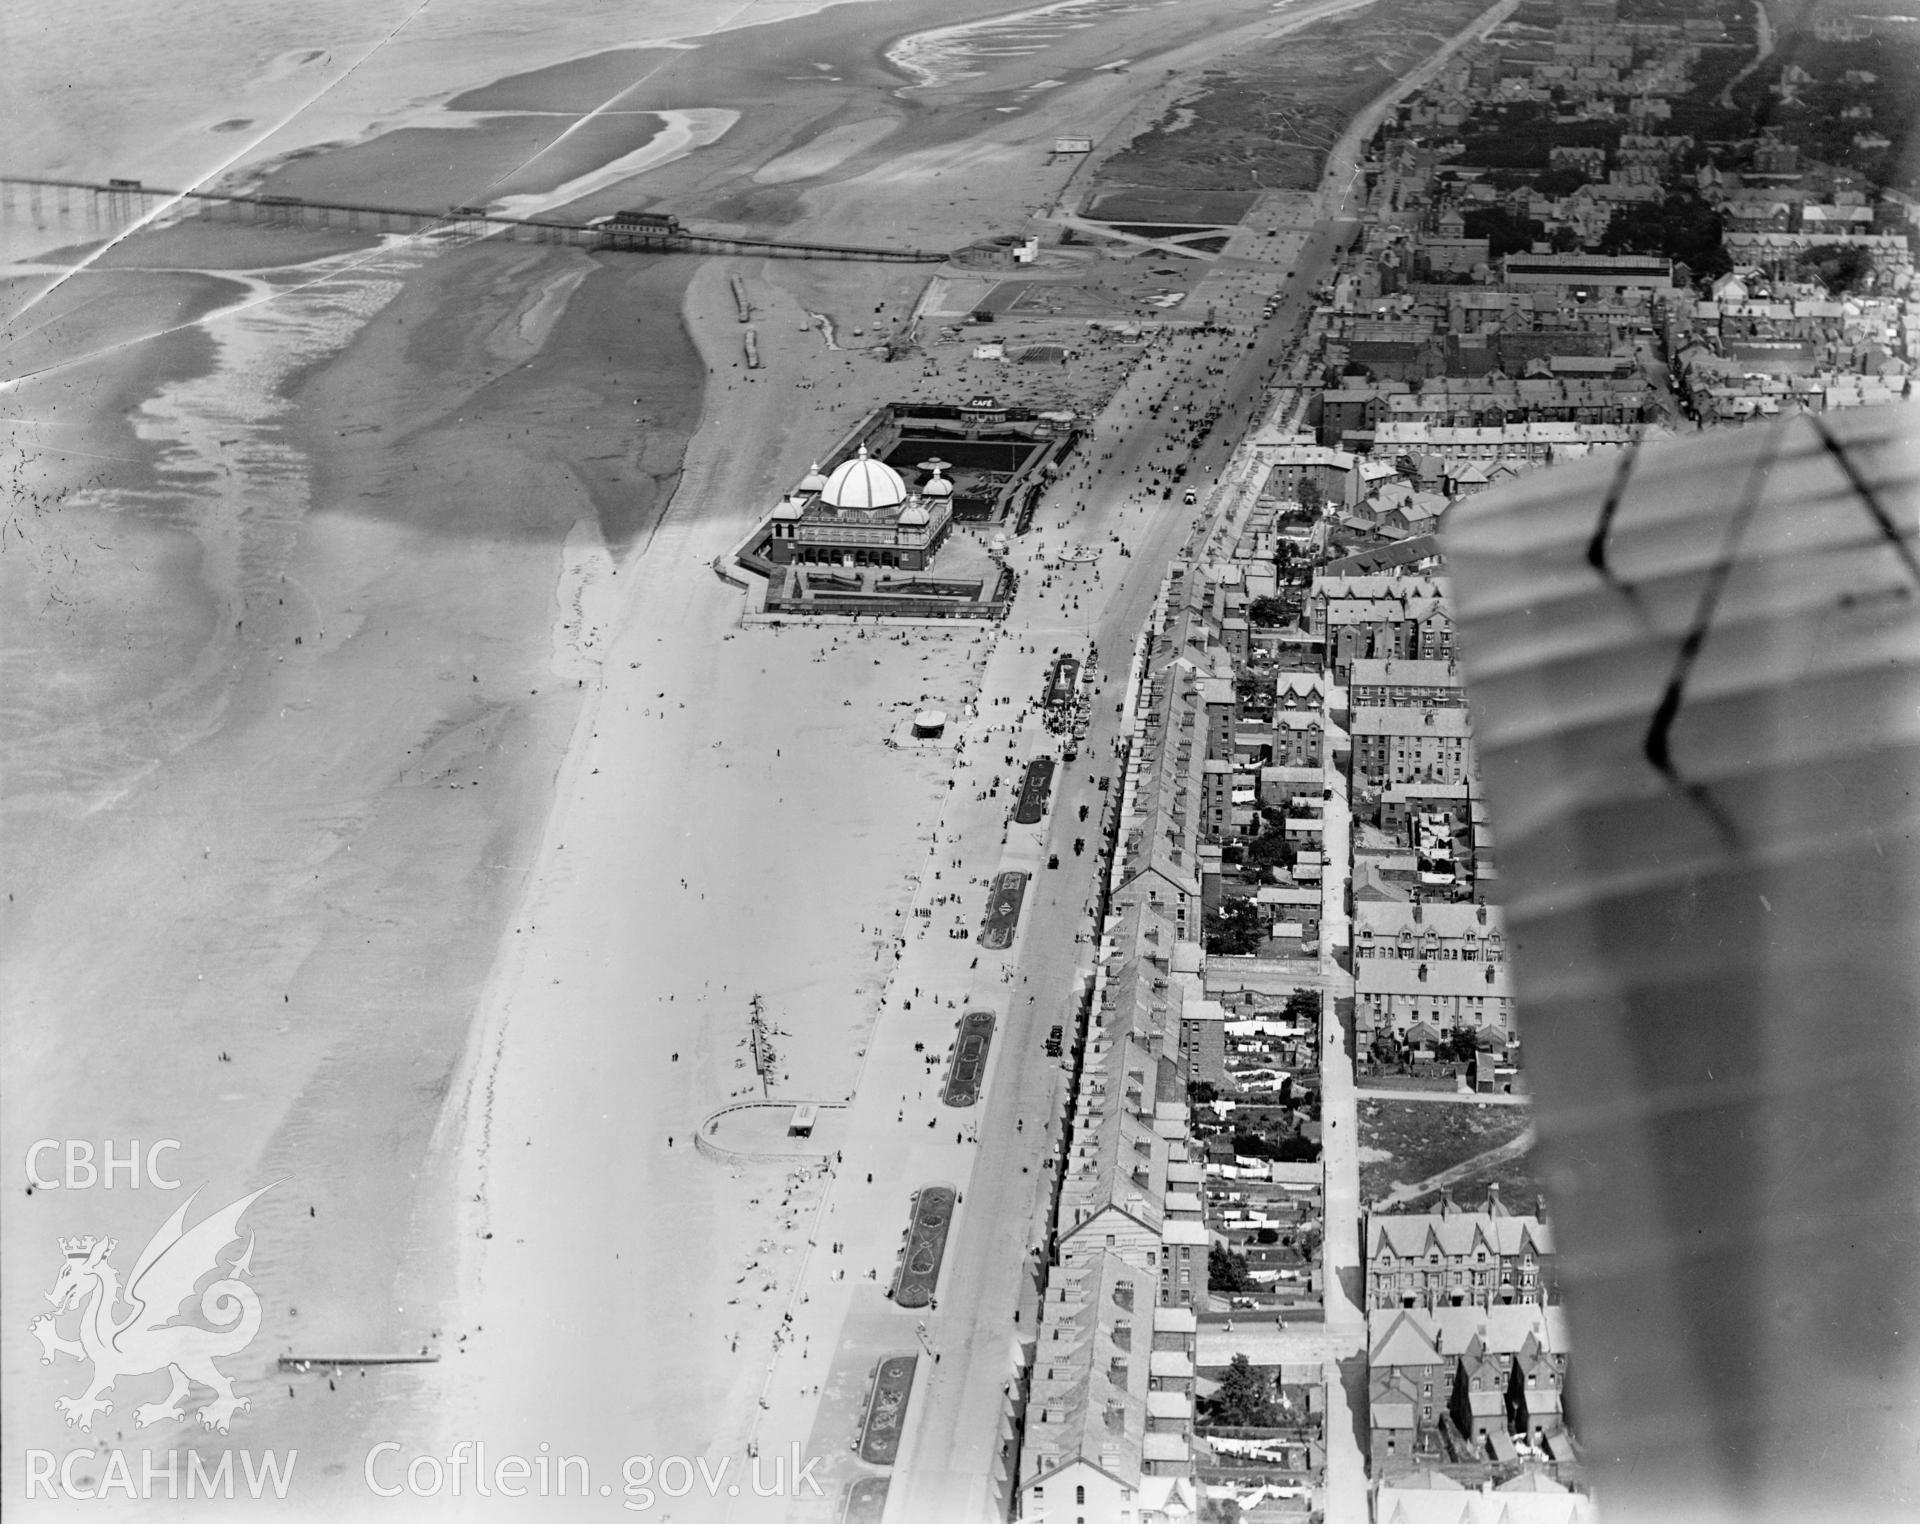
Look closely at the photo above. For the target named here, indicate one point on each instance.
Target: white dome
(813, 481)
(936, 485)
(864, 482)
(913, 516)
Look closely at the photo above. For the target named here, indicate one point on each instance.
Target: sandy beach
(402, 815)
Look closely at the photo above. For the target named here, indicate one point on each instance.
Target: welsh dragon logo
(148, 1339)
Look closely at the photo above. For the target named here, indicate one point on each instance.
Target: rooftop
(1435, 976)
(863, 482)
(1449, 720)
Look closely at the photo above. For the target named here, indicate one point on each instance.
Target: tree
(1842, 267)
(1227, 1271)
(1270, 849)
(1202, 1092)
(1245, 1397)
(1560, 182)
(1266, 612)
(1298, 1149)
(1302, 1005)
(1236, 930)
(1309, 495)
(1250, 1145)
(1504, 231)
(1683, 227)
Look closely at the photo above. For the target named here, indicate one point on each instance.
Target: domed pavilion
(862, 513)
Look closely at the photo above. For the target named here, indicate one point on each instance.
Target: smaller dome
(791, 507)
(936, 485)
(813, 481)
(913, 516)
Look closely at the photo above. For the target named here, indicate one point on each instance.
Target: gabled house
(1459, 1258)
(1478, 1402)
(1536, 1389)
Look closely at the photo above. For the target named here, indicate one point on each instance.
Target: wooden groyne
(328, 1362)
(112, 205)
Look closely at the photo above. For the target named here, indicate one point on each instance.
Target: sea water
(177, 93)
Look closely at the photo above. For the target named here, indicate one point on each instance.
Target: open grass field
(1408, 1143)
(1267, 120)
(1171, 205)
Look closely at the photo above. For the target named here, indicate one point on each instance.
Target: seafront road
(954, 1461)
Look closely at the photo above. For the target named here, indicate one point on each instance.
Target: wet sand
(577, 85)
(433, 168)
(311, 877)
(202, 243)
(109, 608)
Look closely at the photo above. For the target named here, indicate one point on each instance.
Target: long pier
(121, 203)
